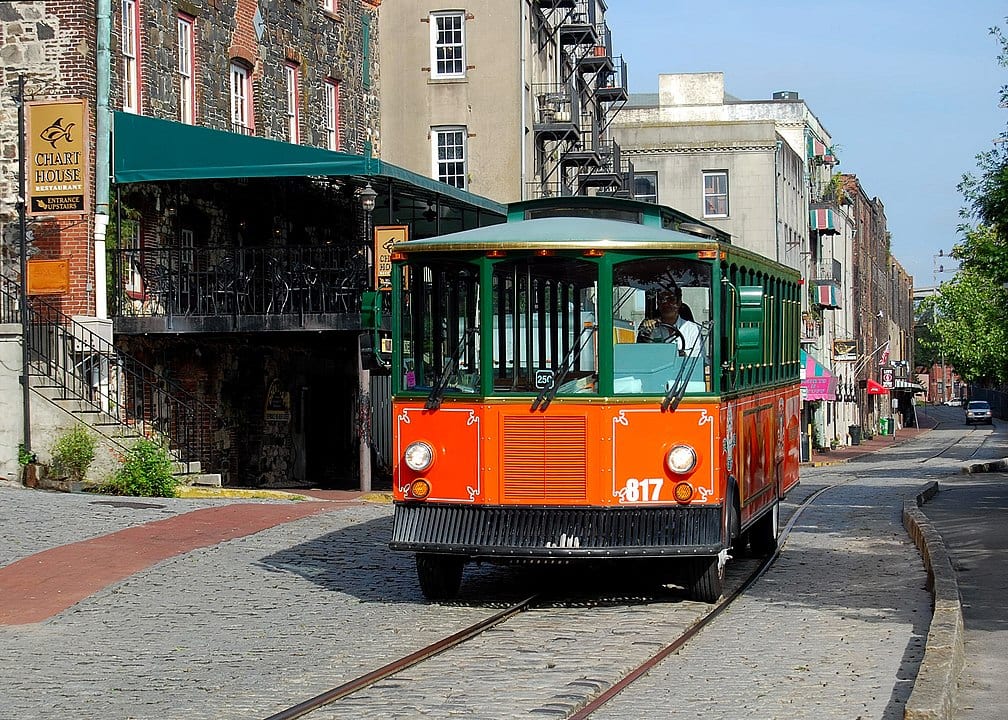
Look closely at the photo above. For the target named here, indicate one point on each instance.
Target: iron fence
(230, 280)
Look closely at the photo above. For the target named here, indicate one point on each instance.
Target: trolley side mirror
(376, 344)
(371, 310)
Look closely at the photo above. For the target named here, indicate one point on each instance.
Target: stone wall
(323, 46)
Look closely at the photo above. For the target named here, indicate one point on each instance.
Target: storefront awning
(146, 149)
(817, 383)
(873, 388)
(907, 386)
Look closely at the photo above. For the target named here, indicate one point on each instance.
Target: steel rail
(722, 605)
(401, 664)
(642, 669)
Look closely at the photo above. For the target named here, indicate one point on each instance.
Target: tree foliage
(971, 327)
(970, 313)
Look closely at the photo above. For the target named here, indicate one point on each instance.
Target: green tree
(970, 313)
(971, 327)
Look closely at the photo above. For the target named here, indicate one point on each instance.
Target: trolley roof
(560, 233)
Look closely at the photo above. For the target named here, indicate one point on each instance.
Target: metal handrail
(112, 385)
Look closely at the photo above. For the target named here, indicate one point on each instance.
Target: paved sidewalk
(875, 444)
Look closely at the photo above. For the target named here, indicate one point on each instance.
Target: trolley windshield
(538, 325)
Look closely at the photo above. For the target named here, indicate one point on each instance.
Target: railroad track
(584, 696)
(404, 682)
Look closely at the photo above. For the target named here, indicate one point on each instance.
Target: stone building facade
(293, 54)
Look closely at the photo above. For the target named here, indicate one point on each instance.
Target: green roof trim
(146, 149)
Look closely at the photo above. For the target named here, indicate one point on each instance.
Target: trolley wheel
(705, 578)
(440, 576)
(763, 534)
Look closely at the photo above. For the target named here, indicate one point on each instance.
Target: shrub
(73, 452)
(146, 471)
(24, 457)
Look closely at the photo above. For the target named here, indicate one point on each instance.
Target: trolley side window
(543, 334)
(439, 338)
(661, 326)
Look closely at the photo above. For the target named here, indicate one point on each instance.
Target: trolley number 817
(644, 490)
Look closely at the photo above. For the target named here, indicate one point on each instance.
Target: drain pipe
(103, 130)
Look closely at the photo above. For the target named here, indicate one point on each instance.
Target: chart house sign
(57, 157)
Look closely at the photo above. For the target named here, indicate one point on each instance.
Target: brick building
(240, 137)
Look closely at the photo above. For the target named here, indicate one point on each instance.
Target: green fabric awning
(146, 149)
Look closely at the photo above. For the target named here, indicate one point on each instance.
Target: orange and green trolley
(531, 423)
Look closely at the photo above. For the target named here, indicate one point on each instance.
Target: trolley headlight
(681, 459)
(418, 456)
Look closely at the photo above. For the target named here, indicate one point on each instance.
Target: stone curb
(934, 689)
(990, 466)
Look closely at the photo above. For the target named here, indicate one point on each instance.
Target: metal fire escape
(576, 154)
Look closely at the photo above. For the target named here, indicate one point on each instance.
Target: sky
(907, 90)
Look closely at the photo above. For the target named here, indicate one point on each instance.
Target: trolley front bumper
(557, 532)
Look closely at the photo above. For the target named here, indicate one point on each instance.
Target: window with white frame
(646, 186)
(130, 48)
(330, 6)
(129, 243)
(332, 114)
(715, 193)
(186, 70)
(448, 44)
(449, 155)
(292, 83)
(241, 99)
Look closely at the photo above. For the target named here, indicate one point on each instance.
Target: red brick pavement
(39, 586)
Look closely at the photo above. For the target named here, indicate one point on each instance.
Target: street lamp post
(367, 197)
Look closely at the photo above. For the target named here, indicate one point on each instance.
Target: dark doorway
(329, 398)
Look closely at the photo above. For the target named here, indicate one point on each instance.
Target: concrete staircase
(115, 437)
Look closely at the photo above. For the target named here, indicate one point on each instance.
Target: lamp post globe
(367, 198)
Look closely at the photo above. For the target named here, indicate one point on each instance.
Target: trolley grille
(544, 458)
(524, 531)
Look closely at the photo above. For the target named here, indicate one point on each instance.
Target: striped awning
(816, 148)
(827, 295)
(821, 220)
(817, 383)
(907, 386)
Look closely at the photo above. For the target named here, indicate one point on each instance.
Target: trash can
(855, 434)
(803, 448)
(885, 426)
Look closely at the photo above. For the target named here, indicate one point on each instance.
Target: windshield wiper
(546, 395)
(678, 387)
(434, 399)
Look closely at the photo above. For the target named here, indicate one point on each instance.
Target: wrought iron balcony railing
(227, 280)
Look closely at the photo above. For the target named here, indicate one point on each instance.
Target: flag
(885, 355)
